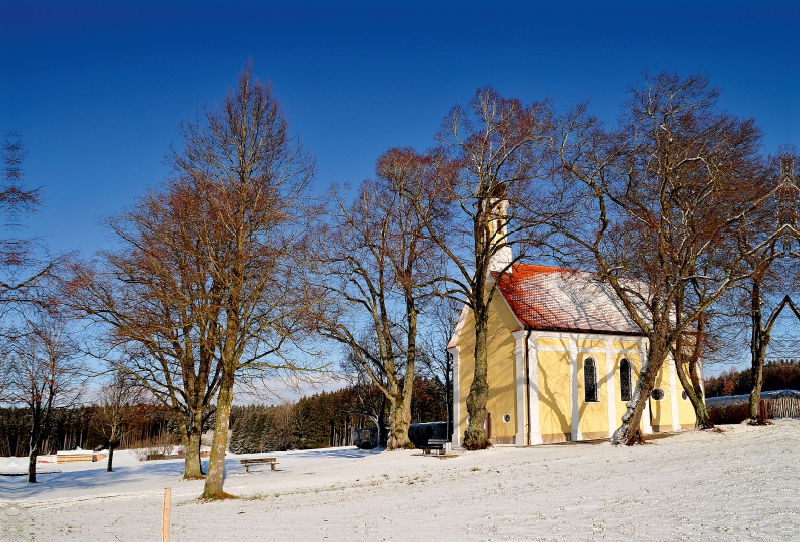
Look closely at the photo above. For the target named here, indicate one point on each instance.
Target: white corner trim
(702, 377)
(534, 429)
(647, 429)
(673, 386)
(456, 437)
(519, 367)
(575, 433)
(611, 393)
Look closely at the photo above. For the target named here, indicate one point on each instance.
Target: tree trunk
(110, 457)
(759, 339)
(695, 395)
(686, 358)
(402, 392)
(32, 464)
(381, 423)
(190, 438)
(475, 435)
(757, 378)
(219, 445)
(399, 420)
(630, 432)
(700, 410)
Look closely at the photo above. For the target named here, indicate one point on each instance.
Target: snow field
(738, 485)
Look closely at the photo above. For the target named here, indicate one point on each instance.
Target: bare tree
(655, 204)
(377, 268)
(46, 376)
(156, 311)
(38, 352)
(436, 362)
(247, 177)
(689, 348)
(764, 239)
(367, 399)
(488, 169)
(773, 274)
(118, 409)
(6, 374)
(21, 268)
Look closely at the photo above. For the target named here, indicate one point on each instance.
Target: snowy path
(746, 481)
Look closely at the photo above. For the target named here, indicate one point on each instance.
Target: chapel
(564, 356)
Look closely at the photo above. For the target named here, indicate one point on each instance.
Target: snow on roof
(555, 299)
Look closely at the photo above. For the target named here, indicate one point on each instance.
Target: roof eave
(577, 330)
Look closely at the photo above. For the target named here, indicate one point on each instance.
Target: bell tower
(498, 233)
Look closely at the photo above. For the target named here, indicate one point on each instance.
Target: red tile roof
(551, 298)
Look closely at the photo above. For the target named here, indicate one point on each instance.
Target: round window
(506, 418)
(684, 396)
(658, 394)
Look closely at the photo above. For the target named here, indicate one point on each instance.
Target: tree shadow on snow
(147, 475)
(69, 483)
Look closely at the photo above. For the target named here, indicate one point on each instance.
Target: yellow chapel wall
(661, 411)
(554, 383)
(501, 370)
(593, 419)
(633, 356)
(555, 408)
(686, 413)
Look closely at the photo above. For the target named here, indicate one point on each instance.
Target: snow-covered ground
(737, 485)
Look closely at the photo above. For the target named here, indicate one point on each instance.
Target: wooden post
(165, 515)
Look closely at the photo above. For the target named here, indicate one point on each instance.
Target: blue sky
(98, 89)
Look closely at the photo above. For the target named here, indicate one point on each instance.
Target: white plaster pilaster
(647, 429)
(534, 430)
(701, 375)
(611, 394)
(519, 367)
(456, 438)
(575, 433)
(673, 387)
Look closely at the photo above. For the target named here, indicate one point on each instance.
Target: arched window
(589, 380)
(625, 380)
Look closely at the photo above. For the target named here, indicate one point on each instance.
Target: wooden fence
(773, 407)
(780, 407)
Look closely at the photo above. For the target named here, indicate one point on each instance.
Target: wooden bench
(272, 461)
(442, 446)
(74, 458)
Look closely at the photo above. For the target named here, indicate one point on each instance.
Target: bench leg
(247, 468)
(272, 466)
